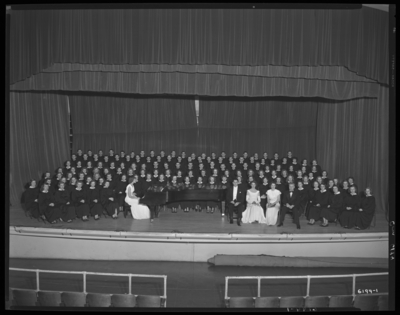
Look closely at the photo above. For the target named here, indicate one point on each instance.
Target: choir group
(95, 184)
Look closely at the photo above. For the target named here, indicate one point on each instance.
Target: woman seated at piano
(211, 205)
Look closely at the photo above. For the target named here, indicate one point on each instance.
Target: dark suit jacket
(240, 197)
(292, 201)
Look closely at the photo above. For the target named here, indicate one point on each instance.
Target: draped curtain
(132, 122)
(356, 39)
(257, 125)
(352, 140)
(39, 137)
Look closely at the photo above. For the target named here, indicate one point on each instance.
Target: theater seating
(366, 302)
(49, 298)
(341, 301)
(317, 301)
(267, 301)
(73, 299)
(123, 300)
(98, 300)
(244, 302)
(24, 297)
(292, 301)
(149, 301)
(383, 302)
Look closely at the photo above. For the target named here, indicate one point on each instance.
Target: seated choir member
(47, 207)
(174, 186)
(264, 187)
(30, 199)
(93, 195)
(62, 200)
(211, 205)
(321, 201)
(303, 196)
(273, 204)
(187, 205)
(363, 217)
(120, 188)
(80, 202)
(254, 212)
(291, 200)
(352, 205)
(235, 199)
(107, 199)
(199, 205)
(334, 207)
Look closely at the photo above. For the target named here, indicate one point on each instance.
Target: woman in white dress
(273, 205)
(254, 212)
(139, 212)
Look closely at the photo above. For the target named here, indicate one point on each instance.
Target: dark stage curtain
(39, 137)
(133, 123)
(356, 39)
(352, 140)
(204, 84)
(257, 125)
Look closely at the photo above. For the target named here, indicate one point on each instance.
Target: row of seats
(79, 299)
(363, 302)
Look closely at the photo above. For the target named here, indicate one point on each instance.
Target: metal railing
(354, 276)
(84, 273)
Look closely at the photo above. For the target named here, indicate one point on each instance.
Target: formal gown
(272, 212)
(139, 211)
(253, 212)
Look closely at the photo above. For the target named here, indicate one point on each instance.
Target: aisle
(193, 285)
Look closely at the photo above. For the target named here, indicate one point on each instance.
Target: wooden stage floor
(191, 222)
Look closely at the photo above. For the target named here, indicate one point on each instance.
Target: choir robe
(109, 205)
(303, 198)
(146, 185)
(81, 208)
(347, 217)
(66, 170)
(321, 198)
(281, 187)
(29, 196)
(61, 198)
(120, 192)
(51, 213)
(95, 207)
(336, 203)
(187, 204)
(364, 218)
(263, 191)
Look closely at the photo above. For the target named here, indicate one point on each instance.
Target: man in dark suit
(291, 202)
(235, 199)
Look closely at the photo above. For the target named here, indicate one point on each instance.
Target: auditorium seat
(383, 302)
(98, 300)
(317, 301)
(366, 302)
(24, 297)
(245, 302)
(123, 300)
(148, 301)
(49, 298)
(73, 299)
(341, 301)
(267, 301)
(292, 301)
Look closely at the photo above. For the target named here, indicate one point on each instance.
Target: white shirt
(235, 190)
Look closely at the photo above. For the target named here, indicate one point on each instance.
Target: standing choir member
(321, 201)
(235, 198)
(290, 202)
(200, 205)
(62, 199)
(80, 201)
(187, 205)
(211, 205)
(30, 197)
(93, 195)
(334, 207)
(264, 187)
(363, 217)
(47, 205)
(273, 204)
(107, 199)
(352, 205)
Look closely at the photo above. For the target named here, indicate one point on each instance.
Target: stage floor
(191, 222)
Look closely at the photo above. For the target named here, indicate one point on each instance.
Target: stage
(193, 236)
